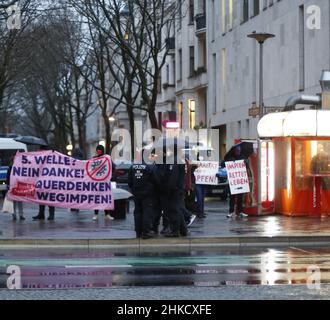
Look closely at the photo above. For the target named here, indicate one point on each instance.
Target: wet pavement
(63, 269)
(68, 225)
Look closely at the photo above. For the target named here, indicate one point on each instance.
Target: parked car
(8, 149)
(121, 174)
(222, 188)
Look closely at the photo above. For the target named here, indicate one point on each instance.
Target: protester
(142, 182)
(236, 200)
(41, 213)
(99, 153)
(188, 216)
(18, 206)
(200, 194)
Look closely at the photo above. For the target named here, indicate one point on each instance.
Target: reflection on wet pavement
(100, 269)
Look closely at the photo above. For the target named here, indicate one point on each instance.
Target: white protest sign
(206, 172)
(237, 177)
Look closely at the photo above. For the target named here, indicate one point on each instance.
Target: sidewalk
(79, 229)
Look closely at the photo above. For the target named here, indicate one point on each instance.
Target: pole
(261, 113)
(261, 81)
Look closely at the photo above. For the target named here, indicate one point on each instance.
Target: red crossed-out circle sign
(99, 169)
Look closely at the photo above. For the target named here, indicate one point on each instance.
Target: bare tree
(130, 34)
(13, 59)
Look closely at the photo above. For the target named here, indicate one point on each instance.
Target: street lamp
(112, 119)
(261, 38)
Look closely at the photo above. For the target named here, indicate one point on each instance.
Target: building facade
(211, 76)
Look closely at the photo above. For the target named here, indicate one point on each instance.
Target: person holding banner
(41, 213)
(99, 153)
(236, 200)
(18, 206)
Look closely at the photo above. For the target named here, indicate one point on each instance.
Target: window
(256, 7)
(180, 15)
(224, 16)
(180, 64)
(227, 15)
(173, 71)
(247, 128)
(167, 74)
(192, 114)
(224, 77)
(180, 107)
(191, 11)
(231, 14)
(214, 77)
(213, 20)
(191, 60)
(245, 11)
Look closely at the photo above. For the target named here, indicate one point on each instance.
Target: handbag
(8, 206)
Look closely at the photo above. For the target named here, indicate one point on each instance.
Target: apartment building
(184, 83)
(211, 78)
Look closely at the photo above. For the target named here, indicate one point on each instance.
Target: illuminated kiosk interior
(295, 162)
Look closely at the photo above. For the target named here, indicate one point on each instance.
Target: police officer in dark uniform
(174, 184)
(142, 182)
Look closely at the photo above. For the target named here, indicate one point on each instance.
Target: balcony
(200, 24)
(170, 45)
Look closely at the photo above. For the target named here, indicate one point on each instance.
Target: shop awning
(300, 123)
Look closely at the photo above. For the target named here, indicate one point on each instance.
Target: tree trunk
(153, 119)
(107, 132)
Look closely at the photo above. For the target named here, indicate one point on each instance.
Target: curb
(163, 243)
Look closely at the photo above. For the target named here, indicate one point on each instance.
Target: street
(212, 274)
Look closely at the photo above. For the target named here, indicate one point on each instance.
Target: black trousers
(42, 211)
(144, 215)
(158, 213)
(173, 211)
(238, 199)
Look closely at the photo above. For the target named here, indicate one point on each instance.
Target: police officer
(142, 182)
(174, 193)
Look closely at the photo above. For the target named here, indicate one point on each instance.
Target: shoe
(172, 235)
(229, 215)
(201, 216)
(243, 215)
(50, 218)
(192, 219)
(108, 218)
(14, 217)
(21, 218)
(38, 217)
(95, 217)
